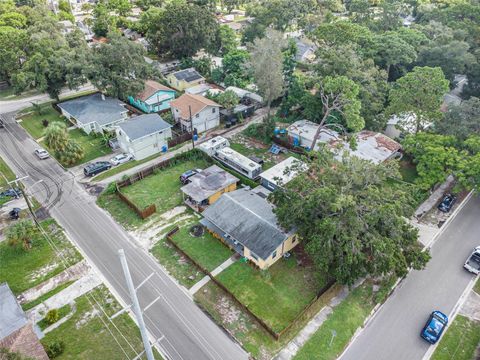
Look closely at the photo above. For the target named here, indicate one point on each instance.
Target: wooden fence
(267, 328)
(149, 210)
(179, 139)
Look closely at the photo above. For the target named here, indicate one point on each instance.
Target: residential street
(394, 333)
(188, 332)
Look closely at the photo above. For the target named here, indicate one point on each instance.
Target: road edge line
(453, 314)
(377, 307)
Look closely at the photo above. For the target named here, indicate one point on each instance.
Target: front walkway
(231, 260)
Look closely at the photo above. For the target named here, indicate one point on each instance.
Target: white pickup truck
(473, 262)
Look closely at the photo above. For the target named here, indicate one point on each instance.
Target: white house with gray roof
(94, 113)
(244, 220)
(144, 135)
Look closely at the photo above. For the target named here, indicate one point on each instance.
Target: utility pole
(136, 305)
(191, 125)
(27, 200)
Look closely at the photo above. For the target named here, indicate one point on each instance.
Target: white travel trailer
(238, 162)
(211, 146)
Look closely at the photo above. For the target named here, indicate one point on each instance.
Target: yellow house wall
(215, 196)
(182, 85)
(286, 246)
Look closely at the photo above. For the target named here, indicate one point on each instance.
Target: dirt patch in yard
(438, 218)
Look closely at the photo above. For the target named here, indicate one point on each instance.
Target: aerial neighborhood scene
(239, 179)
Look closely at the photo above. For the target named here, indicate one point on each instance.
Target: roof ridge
(254, 213)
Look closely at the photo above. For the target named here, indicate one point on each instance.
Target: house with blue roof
(154, 98)
(94, 113)
(144, 135)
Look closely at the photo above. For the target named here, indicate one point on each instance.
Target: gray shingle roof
(92, 108)
(249, 219)
(208, 182)
(12, 316)
(188, 75)
(143, 125)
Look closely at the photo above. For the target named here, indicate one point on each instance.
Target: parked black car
(14, 213)
(447, 203)
(14, 193)
(96, 168)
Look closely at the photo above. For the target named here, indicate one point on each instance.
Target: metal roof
(94, 108)
(284, 171)
(143, 125)
(248, 218)
(208, 182)
(12, 316)
(187, 75)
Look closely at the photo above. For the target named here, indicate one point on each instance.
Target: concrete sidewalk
(231, 260)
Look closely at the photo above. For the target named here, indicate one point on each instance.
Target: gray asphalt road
(394, 333)
(188, 332)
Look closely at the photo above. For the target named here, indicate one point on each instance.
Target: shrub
(55, 349)
(45, 122)
(52, 316)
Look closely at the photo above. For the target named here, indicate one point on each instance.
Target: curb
(377, 307)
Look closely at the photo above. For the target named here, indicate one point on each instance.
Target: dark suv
(96, 168)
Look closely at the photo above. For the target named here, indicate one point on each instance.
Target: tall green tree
(182, 29)
(419, 92)
(351, 221)
(461, 120)
(267, 65)
(338, 99)
(56, 136)
(12, 50)
(118, 67)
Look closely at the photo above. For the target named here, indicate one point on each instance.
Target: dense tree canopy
(352, 222)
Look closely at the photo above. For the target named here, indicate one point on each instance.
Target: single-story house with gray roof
(207, 186)
(244, 220)
(94, 113)
(144, 135)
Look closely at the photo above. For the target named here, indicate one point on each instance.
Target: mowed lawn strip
(6, 173)
(208, 251)
(345, 319)
(23, 270)
(176, 264)
(277, 295)
(460, 340)
(128, 165)
(161, 188)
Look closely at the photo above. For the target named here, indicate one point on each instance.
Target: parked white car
(121, 158)
(473, 262)
(42, 154)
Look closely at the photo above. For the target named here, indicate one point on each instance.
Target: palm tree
(21, 232)
(56, 136)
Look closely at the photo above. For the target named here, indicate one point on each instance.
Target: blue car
(433, 329)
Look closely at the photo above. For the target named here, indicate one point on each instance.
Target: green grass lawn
(6, 173)
(119, 210)
(128, 165)
(94, 146)
(285, 284)
(345, 319)
(162, 188)
(177, 265)
(86, 337)
(62, 312)
(32, 122)
(208, 251)
(25, 269)
(460, 340)
(477, 287)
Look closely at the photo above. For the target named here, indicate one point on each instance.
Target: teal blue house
(154, 98)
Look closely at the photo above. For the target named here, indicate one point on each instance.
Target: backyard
(26, 269)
